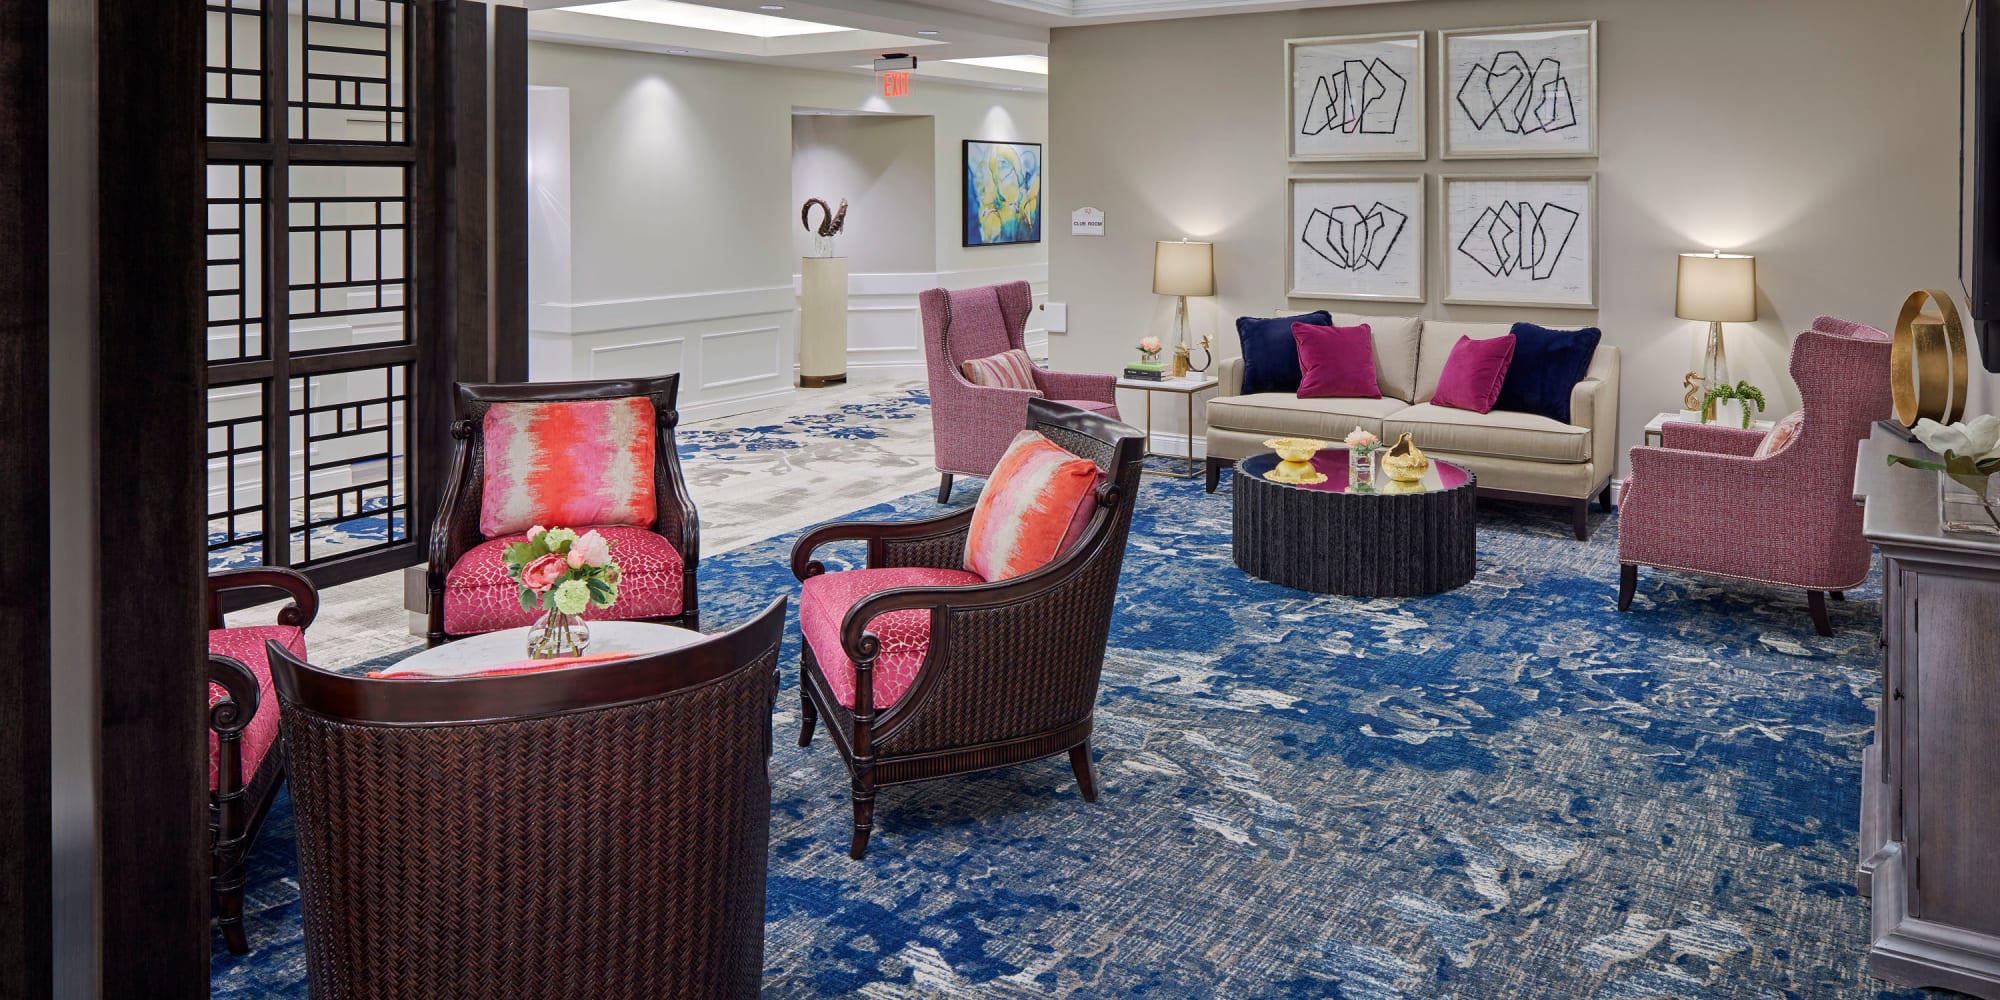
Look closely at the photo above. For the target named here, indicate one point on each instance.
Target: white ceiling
(935, 31)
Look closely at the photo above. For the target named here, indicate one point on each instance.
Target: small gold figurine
(1404, 462)
(1692, 383)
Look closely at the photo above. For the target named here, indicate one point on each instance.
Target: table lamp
(1183, 268)
(1719, 288)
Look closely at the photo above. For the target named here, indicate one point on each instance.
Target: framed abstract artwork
(1524, 91)
(1521, 241)
(1356, 238)
(1355, 97)
(1002, 202)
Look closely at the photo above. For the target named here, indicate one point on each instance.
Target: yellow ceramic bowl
(1295, 449)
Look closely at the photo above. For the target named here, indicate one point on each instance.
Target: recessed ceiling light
(677, 52)
(1019, 64)
(926, 31)
(687, 15)
(770, 6)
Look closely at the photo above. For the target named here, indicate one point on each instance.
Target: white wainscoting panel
(734, 349)
(885, 333)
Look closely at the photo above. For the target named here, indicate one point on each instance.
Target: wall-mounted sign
(1086, 222)
(896, 84)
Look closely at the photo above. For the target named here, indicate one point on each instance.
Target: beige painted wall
(884, 167)
(681, 168)
(1820, 135)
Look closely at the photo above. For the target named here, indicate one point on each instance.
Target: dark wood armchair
(598, 831)
(456, 532)
(246, 759)
(1009, 670)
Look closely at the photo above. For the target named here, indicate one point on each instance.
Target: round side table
(1401, 540)
(475, 653)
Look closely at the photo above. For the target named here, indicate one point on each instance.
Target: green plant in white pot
(1971, 450)
(1730, 404)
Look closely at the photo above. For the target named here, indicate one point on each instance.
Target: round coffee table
(475, 653)
(1399, 540)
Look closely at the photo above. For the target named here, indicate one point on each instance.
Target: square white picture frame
(1356, 238)
(1356, 97)
(1520, 91)
(1519, 240)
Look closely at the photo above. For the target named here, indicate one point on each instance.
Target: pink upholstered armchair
(971, 425)
(1708, 503)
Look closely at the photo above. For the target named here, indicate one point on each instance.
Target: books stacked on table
(1146, 372)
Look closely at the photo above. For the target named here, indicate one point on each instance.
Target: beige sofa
(1516, 456)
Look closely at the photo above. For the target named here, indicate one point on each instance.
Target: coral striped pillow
(1780, 436)
(570, 463)
(1028, 512)
(1007, 370)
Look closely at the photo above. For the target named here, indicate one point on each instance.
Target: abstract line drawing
(1516, 236)
(1364, 97)
(1351, 239)
(1509, 94)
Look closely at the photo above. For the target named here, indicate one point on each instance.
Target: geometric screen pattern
(352, 61)
(354, 431)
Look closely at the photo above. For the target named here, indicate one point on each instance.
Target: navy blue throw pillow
(1271, 353)
(1547, 365)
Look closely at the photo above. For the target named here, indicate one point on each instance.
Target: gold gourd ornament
(1404, 462)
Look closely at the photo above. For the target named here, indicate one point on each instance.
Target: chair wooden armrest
(305, 598)
(936, 542)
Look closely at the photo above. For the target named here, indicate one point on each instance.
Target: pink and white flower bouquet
(1149, 348)
(1361, 441)
(561, 571)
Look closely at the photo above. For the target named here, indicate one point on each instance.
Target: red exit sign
(896, 84)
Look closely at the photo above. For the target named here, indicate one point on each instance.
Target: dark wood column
(510, 194)
(151, 307)
(25, 960)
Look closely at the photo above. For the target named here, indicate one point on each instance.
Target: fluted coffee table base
(1362, 545)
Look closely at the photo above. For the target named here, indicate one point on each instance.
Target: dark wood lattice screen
(323, 181)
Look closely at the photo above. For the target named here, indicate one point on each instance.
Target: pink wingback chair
(1704, 503)
(971, 425)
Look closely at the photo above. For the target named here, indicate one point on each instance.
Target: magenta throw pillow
(1336, 362)
(1474, 372)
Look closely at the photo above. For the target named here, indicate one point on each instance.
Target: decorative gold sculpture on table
(1405, 462)
(1692, 382)
(1928, 353)
(1295, 461)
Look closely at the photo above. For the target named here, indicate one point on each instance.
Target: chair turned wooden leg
(864, 822)
(1628, 581)
(229, 916)
(944, 488)
(808, 717)
(1579, 516)
(1086, 770)
(1604, 499)
(1816, 602)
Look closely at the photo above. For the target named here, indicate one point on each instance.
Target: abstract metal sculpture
(831, 222)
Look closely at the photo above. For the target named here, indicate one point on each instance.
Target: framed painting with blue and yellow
(1002, 202)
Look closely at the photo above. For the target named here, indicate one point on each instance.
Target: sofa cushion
(1278, 414)
(1438, 338)
(1395, 340)
(246, 645)
(1547, 365)
(906, 635)
(567, 463)
(1270, 355)
(1335, 361)
(1474, 373)
(479, 596)
(1501, 433)
(1780, 435)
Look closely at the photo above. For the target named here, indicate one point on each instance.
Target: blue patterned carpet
(1511, 790)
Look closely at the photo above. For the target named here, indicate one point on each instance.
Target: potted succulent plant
(1730, 404)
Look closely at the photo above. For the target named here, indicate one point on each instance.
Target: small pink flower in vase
(544, 572)
(1149, 348)
(1361, 447)
(592, 549)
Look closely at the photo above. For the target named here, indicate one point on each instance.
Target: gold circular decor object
(1927, 361)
